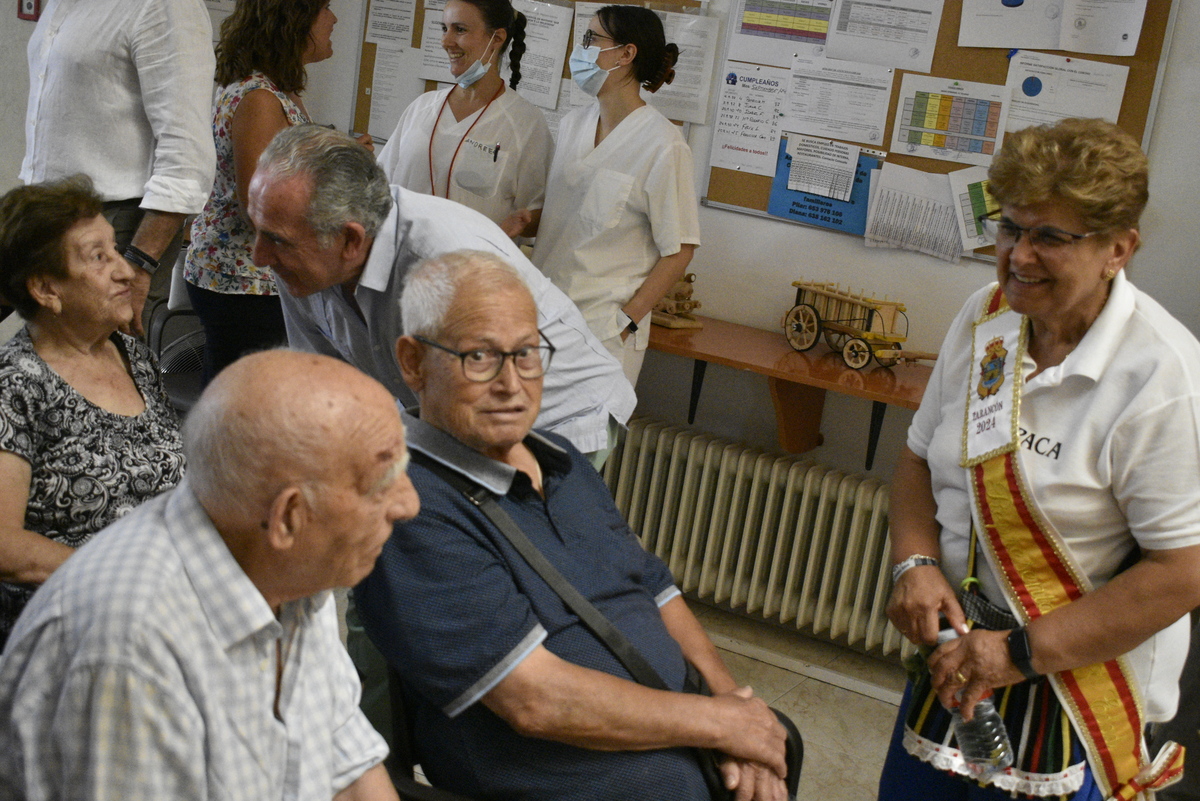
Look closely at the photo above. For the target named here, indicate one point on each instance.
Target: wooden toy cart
(856, 326)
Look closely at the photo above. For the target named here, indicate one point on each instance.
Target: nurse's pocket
(605, 200)
(479, 167)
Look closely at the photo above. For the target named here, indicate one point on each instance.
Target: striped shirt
(146, 668)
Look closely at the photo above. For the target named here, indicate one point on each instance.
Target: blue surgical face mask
(589, 75)
(477, 70)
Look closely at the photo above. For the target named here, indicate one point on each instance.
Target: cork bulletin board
(750, 192)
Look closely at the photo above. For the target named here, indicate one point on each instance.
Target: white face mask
(589, 75)
(477, 70)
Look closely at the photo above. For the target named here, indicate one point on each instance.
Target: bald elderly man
(191, 650)
(511, 696)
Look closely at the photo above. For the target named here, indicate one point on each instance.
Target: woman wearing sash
(1047, 497)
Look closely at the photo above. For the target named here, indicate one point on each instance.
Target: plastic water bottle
(984, 740)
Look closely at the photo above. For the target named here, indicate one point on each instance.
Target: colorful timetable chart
(771, 31)
(805, 23)
(969, 189)
(940, 118)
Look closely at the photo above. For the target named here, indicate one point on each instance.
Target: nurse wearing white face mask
(621, 222)
(478, 143)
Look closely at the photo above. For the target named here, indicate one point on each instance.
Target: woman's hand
(918, 598)
(366, 140)
(974, 664)
(515, 224)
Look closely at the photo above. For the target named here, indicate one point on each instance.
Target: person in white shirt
(119, 90)
(478, 143)
(621, 222)
(1047, 493)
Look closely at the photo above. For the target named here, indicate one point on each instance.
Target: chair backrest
(402, 757)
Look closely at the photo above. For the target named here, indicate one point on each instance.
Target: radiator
(777, 537)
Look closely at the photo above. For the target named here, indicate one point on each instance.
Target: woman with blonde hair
(1046, 506)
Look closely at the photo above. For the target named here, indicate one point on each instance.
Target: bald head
(299, 461)
(277, 418)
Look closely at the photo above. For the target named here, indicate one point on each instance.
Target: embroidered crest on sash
(991, 372)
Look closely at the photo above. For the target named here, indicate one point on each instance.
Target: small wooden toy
(856, 326)
(675, 309)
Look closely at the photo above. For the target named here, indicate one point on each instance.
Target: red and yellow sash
(1039, 575)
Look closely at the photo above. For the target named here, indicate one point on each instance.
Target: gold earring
(1110, 274)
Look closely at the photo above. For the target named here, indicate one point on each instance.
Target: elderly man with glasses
(510, 695)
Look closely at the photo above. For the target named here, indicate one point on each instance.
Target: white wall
(746, 264)
(14, 91)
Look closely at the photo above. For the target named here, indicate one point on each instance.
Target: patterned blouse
(222, 237)
(88, 466)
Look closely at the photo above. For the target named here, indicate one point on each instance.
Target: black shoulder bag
(591, 617)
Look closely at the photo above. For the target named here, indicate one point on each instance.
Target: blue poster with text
(840, 215)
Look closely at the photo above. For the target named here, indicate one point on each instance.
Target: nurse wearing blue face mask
(621, 221)
(478, 143)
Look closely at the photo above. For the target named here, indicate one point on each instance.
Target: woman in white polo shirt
(478, 143)
(1048, 494)
(620, 223)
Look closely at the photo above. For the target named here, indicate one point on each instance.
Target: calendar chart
(949, 120)
(800, 22)
(964, 124)
(976, 202)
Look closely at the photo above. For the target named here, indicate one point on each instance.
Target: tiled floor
(843, 702)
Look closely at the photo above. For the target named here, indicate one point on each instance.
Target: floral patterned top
(222, 237)
(88, 466)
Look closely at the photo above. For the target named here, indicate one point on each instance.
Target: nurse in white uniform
(620, 223)
(478, 143)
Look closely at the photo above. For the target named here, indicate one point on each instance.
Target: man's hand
(752, 781)
(921, 594)
(750, 730)
(139, 287)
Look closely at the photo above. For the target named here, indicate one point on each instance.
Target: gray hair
(347, 183)
(430, 287)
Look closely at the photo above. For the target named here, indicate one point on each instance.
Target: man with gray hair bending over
(341, 241)
(190, 650)
(510, 695)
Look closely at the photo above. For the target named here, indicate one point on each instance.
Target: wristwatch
(1020, 652)
(916, 560)
(142, 259)
(630, 326)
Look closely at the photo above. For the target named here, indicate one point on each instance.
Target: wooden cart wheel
(887, 355)
(835, 340)
(856, 353)
(802, 327)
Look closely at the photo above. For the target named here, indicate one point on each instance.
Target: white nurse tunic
(613, 211)
(501, 166)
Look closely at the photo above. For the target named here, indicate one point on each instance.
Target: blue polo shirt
(454, 608)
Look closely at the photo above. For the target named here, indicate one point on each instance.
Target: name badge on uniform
(993, 387)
